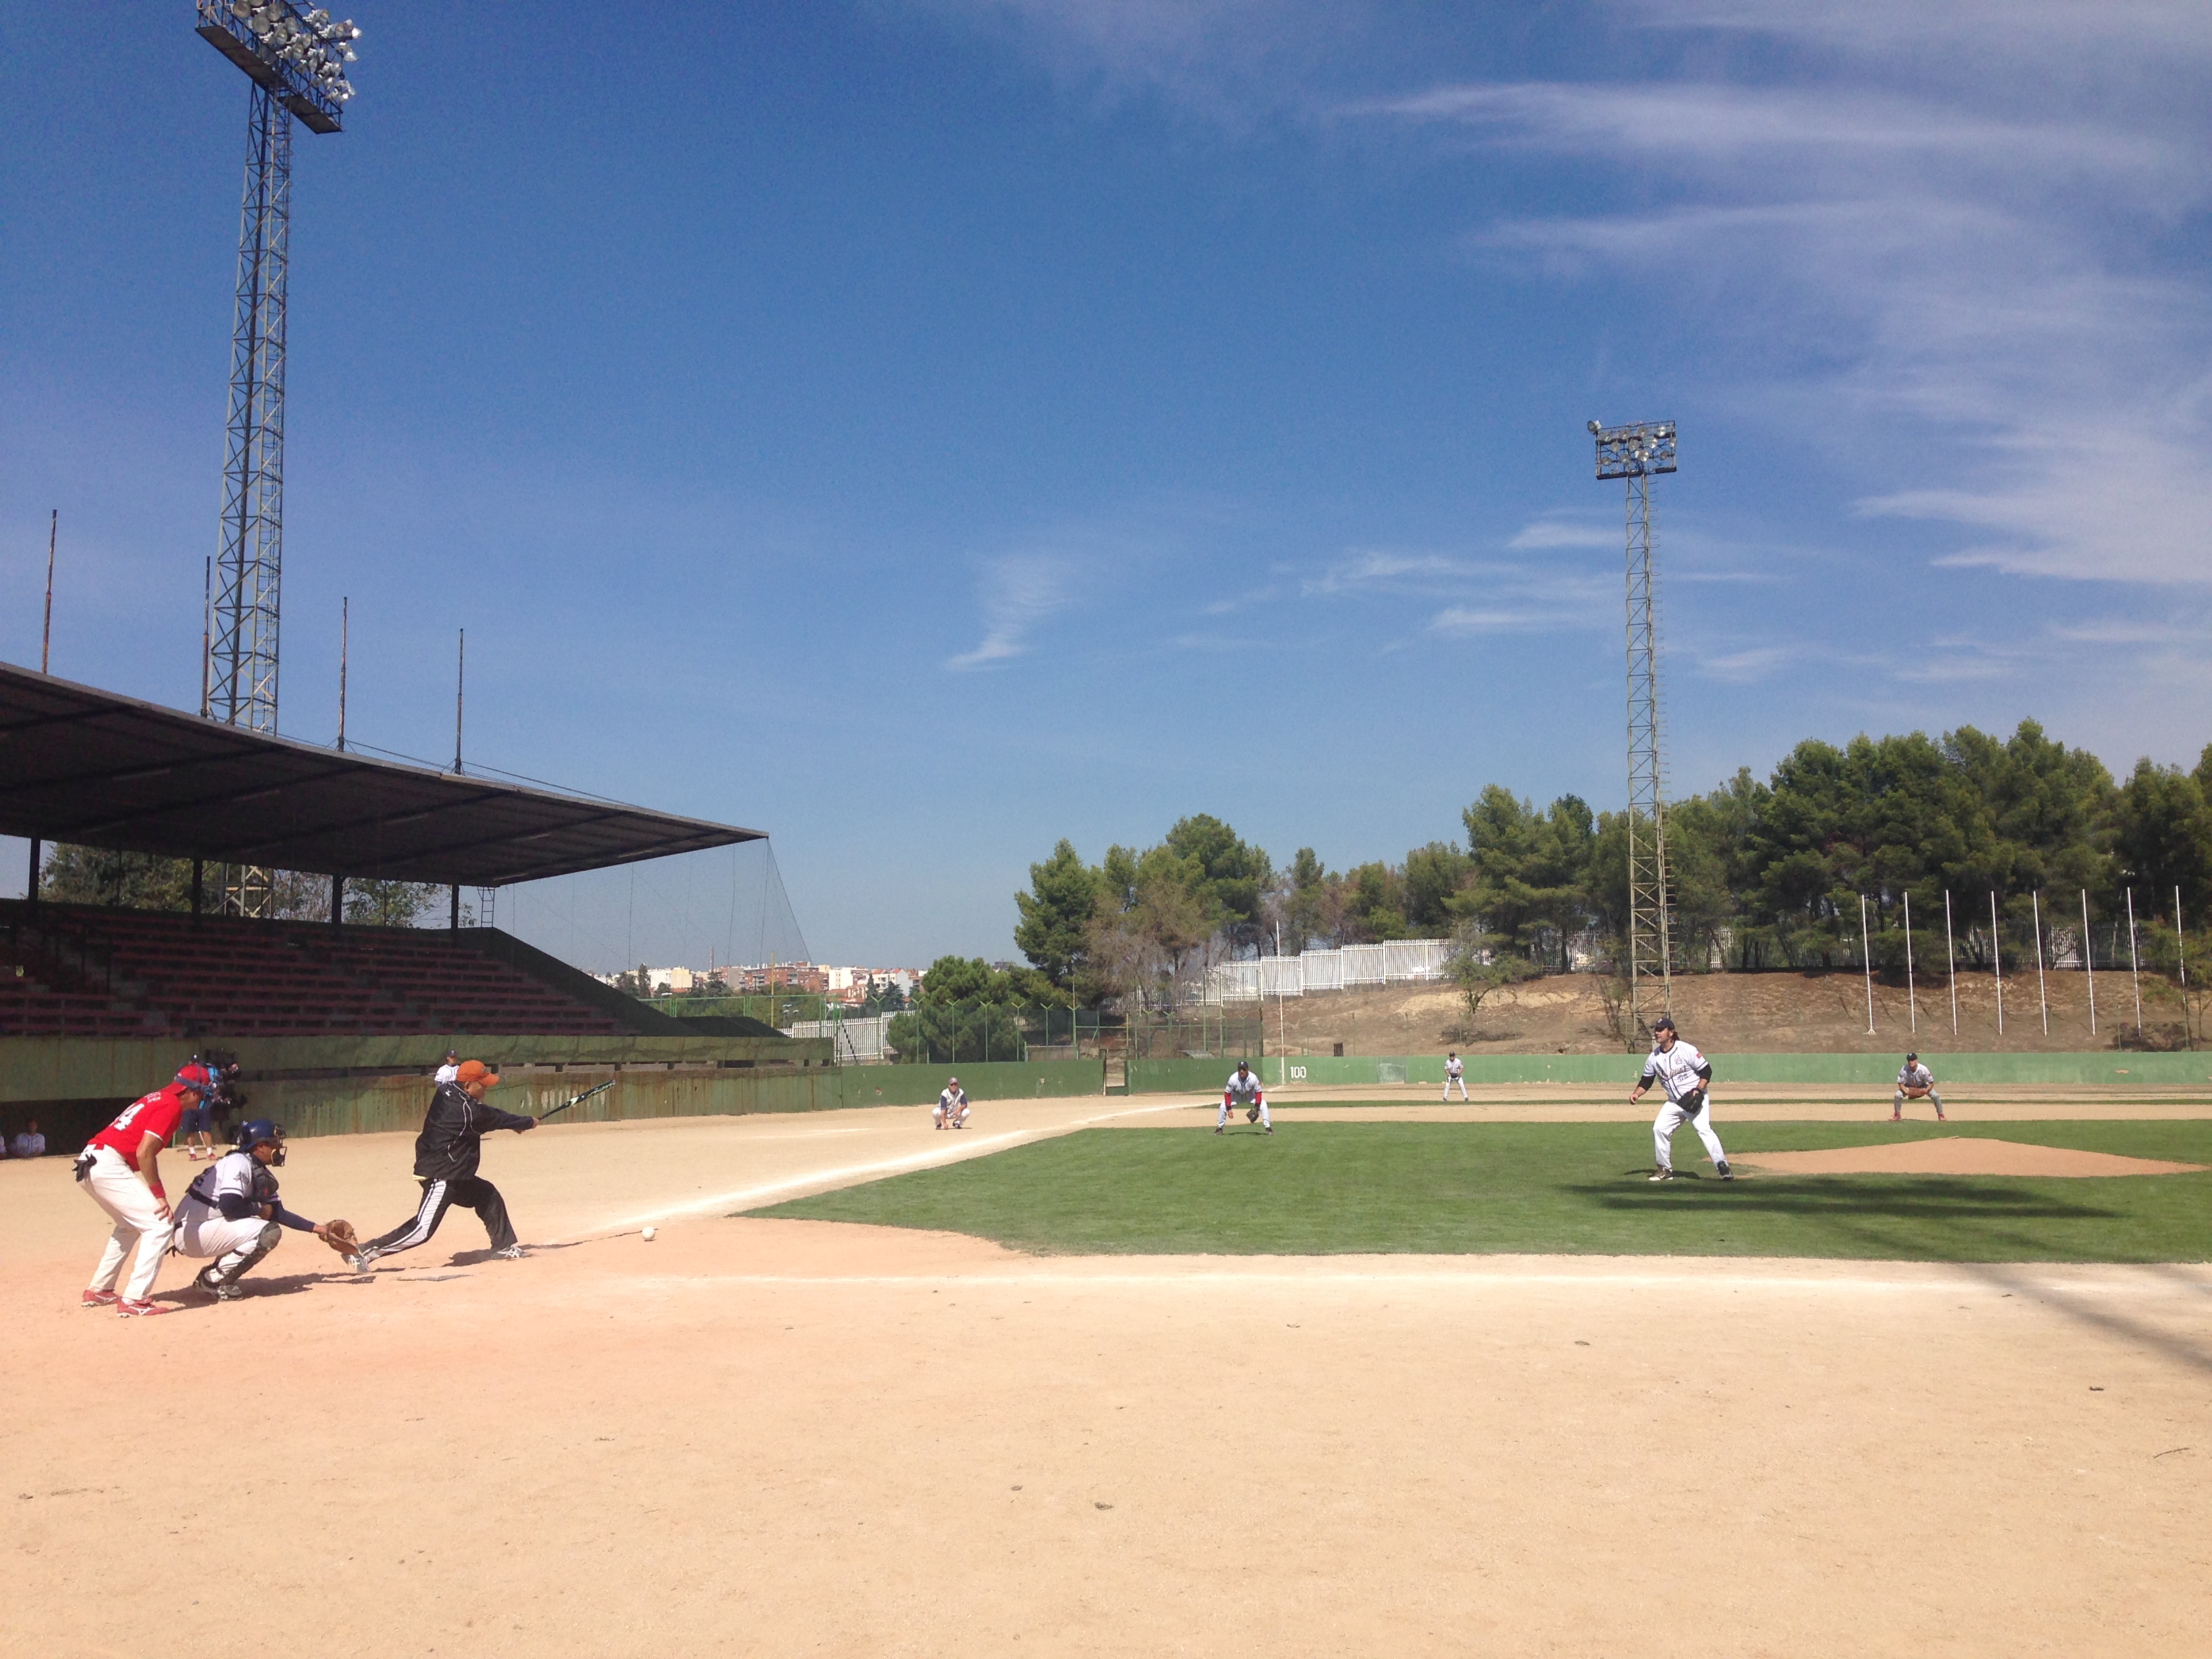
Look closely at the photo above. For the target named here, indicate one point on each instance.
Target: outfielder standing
(231, 1212)
(447, 1153)
(1915, 1082)
(1454, 1071)
(1685, 1076)
(121, 1169)
(1243, 1089)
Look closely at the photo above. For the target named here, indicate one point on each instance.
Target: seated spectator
(28, 1142)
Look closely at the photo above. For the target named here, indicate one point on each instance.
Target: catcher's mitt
(338, 1235)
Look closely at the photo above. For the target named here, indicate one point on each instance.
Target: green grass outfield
(1542, 1189)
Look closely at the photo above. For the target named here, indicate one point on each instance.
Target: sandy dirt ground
(1730, 1013)
(1961, 1155)
(751, 1437)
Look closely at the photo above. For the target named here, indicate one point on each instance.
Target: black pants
(471, 1192)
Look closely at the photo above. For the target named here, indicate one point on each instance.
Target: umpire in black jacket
(445, 1155)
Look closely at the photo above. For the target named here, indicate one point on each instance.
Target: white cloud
(1564, 532)
(1019, 591)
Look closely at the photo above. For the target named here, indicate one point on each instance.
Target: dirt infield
(1960, 1155)
(766, 1438)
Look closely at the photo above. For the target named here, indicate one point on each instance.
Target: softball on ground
(649, 1232)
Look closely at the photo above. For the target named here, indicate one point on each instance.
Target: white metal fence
(860, 1039)
(1397, 961)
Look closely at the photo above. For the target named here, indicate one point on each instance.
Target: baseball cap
(1912, 1056)
(197, 1078)
(475, 1070)
(1664, 1023)
(453, 1054)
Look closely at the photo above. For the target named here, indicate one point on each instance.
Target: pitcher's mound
(1960, 1155)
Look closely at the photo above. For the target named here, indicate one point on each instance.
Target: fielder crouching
(232, 1212)
(447, 1154)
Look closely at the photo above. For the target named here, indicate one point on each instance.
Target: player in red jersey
(121, 1169)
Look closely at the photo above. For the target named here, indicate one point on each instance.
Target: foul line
(830, 1180)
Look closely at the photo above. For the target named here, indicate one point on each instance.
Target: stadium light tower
(296, 61)
(1638, 453)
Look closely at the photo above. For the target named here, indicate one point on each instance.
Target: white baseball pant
(1462, 1087)
(118, 1189)
(1672, 1117)
(1265, 1119)
(203, 1233)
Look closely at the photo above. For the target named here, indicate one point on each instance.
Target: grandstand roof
(79, 765)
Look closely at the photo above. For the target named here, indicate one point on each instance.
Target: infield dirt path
(753, 1436)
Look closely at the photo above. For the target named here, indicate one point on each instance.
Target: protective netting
(698, 910)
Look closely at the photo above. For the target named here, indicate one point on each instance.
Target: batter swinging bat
(578, 1100)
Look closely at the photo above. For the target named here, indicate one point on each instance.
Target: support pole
(2135, 960)
(1996, 959)
(47, 638)
(1951, 959)
(338, 901)
(1912, 995)
(31, 881)
(345, 629)
(2036, 901)
(1866, 951)
(199, 885)
(2089, 961)
(455, 923)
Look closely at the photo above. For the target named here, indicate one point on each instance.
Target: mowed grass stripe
(1541, 1188)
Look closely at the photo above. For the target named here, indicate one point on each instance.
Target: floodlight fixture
(1634, 451)
(299, 58)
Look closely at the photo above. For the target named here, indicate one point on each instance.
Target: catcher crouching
(232, 1212)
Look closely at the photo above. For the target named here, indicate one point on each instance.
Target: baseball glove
(338, 1235)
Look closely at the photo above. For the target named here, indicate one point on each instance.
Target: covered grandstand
(335, 1025)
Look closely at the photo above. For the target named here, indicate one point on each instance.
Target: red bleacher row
(156, 974)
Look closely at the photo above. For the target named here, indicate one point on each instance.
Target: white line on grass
(830, 1180)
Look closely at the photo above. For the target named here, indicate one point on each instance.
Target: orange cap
(475, 1070)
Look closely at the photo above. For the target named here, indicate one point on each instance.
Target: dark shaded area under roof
(79, 765)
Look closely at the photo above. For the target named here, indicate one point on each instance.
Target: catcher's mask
(253, 1134)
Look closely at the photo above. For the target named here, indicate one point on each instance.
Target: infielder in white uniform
(952, 1111)
(1915, 1082)
(1685, 1076)
(1454, 1071)
(1243, 1089)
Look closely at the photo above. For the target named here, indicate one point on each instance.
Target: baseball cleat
(140, 1309)
(1727, 1174)
(360, 1263)
(511, 1253)
(1271, 1128)
(1217, 1128)
(101, 1299)
(1664, 1175)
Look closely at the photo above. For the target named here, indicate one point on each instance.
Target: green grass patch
(1542, 1189)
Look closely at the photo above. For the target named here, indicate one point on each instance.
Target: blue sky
(924, 430)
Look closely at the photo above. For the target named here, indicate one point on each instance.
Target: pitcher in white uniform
(1685, 1076)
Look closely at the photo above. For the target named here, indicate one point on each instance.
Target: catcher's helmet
(253, 1132)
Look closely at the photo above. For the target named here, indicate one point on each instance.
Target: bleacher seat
(73, 970)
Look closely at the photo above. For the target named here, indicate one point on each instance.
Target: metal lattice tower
(294, 62)
(1636, 453)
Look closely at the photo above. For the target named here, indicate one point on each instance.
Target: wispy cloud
(1019, 591)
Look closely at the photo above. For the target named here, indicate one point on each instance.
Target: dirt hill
(1741, 1014)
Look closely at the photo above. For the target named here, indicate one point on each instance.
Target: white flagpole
(1951, 957)
(2039, 996)
(1866, 947)
(2135, 960)
(1911, 996)
(1996, 959)
(2089, 961)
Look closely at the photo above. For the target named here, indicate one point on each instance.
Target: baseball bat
(577, 1101)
